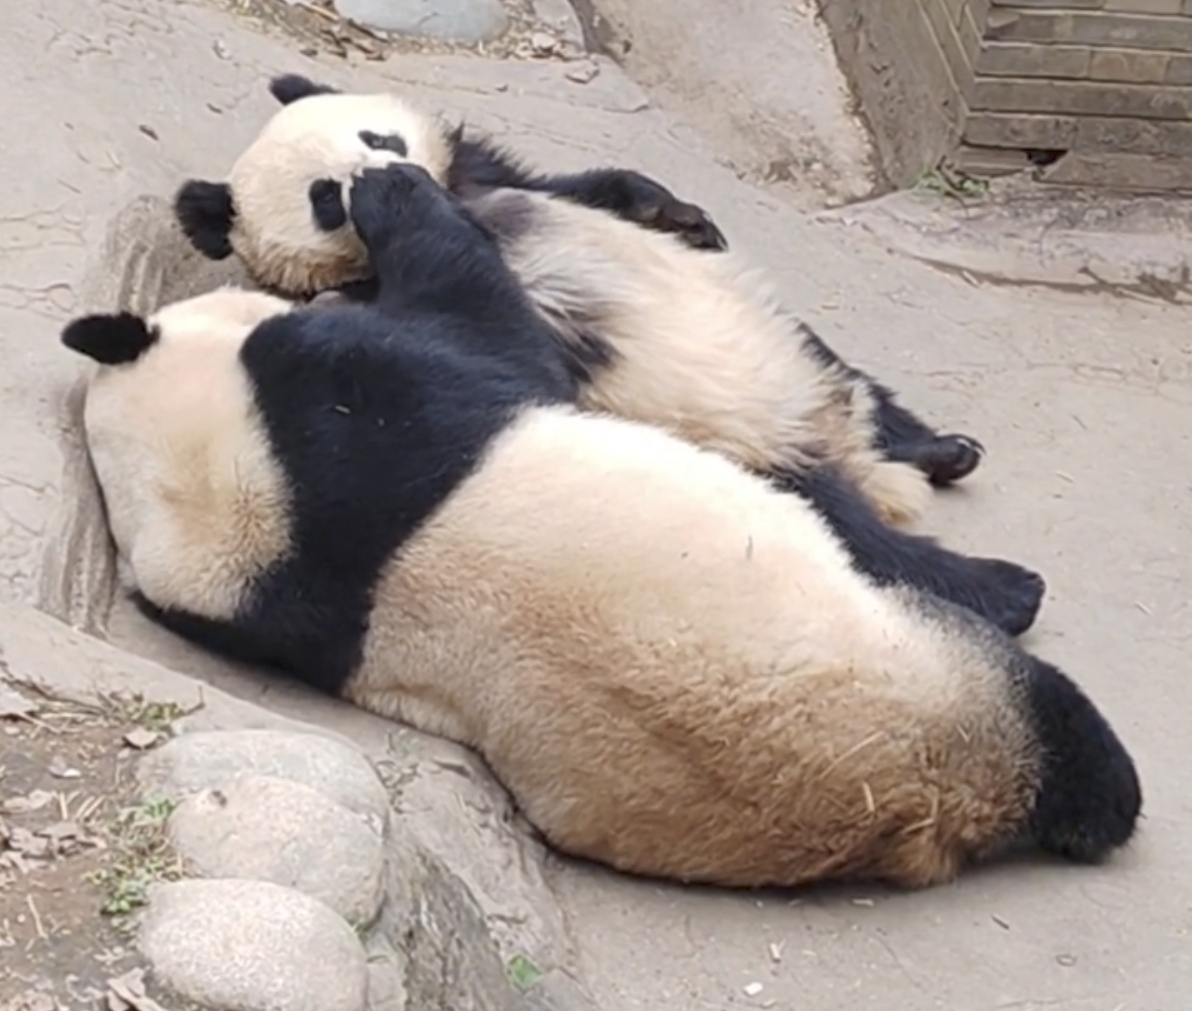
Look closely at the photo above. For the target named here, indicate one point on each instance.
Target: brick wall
(1107, 83)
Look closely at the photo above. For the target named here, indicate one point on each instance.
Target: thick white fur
(196, 503)
(319, 139)
(671, 665)
(704, 347)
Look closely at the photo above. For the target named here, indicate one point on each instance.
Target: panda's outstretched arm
(479, 164)
(427, 252)
(639, 199)
(1003, 593)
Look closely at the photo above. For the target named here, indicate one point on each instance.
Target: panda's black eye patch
(384, 142)
(327, 204)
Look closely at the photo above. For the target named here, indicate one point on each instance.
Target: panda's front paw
(1010, 595)
(383, 200)
(949, 458)
(652, 205)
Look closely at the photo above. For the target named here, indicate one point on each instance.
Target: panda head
(175, 441)
(283, 208)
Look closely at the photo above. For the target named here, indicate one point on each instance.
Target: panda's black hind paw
(945, 459)
(1008, 595)
(953, 457)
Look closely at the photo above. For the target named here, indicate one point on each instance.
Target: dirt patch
(77, 851)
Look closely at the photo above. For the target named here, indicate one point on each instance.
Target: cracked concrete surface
(1083, 400)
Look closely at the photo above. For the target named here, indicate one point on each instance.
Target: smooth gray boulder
(452, 20)
(279, 830)
(205, 760)
(242, 945)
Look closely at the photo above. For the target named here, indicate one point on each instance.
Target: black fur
(327, 204)
(387, 142)
(110, 339)
(1003, 593)
(901, 435)
(206, 212)
(287, 88)
(479, 164)
(376, 413)
(1090, 797)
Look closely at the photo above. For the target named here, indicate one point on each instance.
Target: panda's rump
(631, 630)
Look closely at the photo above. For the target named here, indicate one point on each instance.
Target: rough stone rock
(561, 18)
(283, 831)
(467, 901)
(456, 20)
(252, 946)
(206, 760)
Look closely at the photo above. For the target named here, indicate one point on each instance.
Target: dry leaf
(127, 993)
(140, 738)
(60, 770)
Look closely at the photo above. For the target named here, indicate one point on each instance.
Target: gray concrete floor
(1083, 401)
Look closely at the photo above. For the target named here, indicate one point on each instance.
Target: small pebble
(543, 43)
(582, 73)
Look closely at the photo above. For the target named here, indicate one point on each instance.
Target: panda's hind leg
(900, 435)
(1005, 594)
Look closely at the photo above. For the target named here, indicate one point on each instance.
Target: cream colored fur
(676, 672)
(670, 665)
(319, 134)
(195, 502)
(705, 348)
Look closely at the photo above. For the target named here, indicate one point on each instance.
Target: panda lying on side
(671, 664)
(655, 331)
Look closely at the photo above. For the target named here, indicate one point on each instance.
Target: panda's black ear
(206, 213)
(288, 88)
(111, 339)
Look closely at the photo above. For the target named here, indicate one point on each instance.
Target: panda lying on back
(669, 663)
(655, 331)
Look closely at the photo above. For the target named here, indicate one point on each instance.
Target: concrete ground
(1083, 400)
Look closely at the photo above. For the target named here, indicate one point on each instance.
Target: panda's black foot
(650, 204)
(396, 199)
(1004, 593)
(945, 459)
(1090, 797)
(690, 223)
